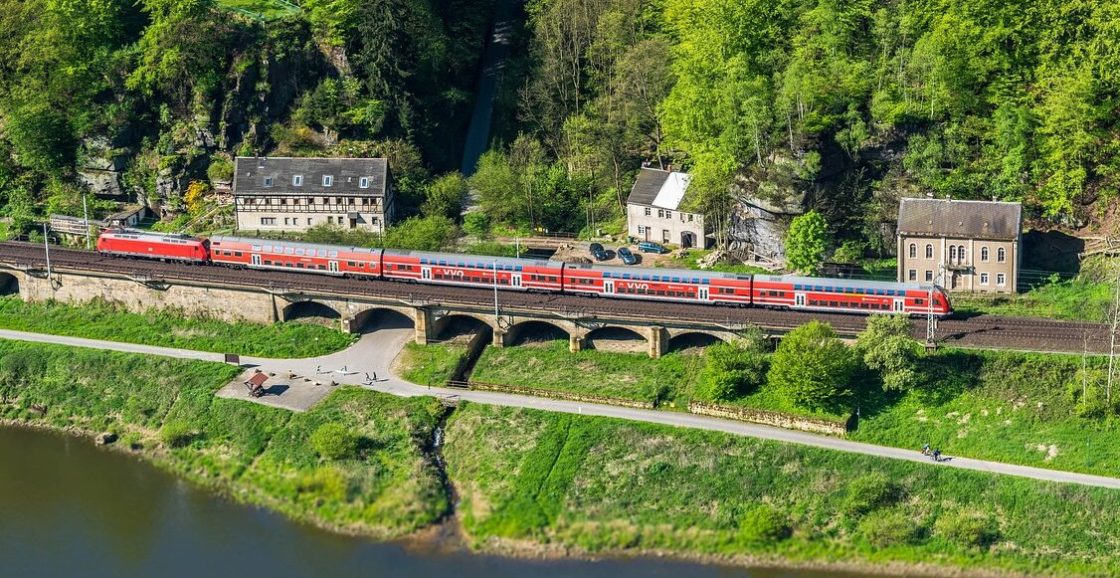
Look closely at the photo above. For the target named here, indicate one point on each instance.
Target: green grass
(168, 328)
(4, 227)
(624, 375)
(691, 260)
(262, 9)
(599, 484)
(429, 364)
(255, 453)
(1003, 406)
(1075, 299)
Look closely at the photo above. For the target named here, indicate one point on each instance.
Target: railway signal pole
(47, 250)
(85, 214)
(497, 315)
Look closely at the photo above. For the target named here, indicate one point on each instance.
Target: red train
(681, 285)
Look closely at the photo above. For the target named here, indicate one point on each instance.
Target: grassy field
(166, 409)
(1003, 406)
(625, 375)
(605, 485)
(98, 320)
(429, 364)
(1075, 299)
(263, 9)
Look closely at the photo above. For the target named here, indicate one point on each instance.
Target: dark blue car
(626, 256)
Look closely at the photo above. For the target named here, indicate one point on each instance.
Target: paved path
(375, 352)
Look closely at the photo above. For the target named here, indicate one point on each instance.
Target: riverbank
(541, 484)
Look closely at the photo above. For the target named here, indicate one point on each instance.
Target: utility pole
(1114, 324)
(496, 314)
(931, 319)
(517, 246)
(85, 213)
(47, 250)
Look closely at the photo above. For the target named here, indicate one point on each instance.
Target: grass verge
(166, 410)
(429, 364)
(169, 328)
(598, 484)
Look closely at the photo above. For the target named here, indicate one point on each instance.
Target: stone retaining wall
(565, 395)
(782, 420)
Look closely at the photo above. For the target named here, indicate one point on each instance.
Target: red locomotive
(680, 285)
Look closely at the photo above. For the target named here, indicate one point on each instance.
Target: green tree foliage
(334, 441)
(806, 243)
(731, 370)
(477, 223)
(434, 233)
(445, 196)
(812, 367)
(886, 347)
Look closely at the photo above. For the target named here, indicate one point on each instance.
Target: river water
(68, 508)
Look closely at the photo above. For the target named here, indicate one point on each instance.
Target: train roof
(839, 282)
(659, 271)
(474, 259)
(149, 235)
(293, 244)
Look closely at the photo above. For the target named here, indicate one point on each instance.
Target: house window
(913, 250)
(283, 201)
(913, 273)
(363, 183)
(309, 221)
(960, 252)
(984, 254)
(647, 209)
(352, 200)
(297, 180)
(1001, 255)
(1001, 279)
(929, 251)
(330, 220)
(268, 181)
(268, 221)
(660, 213)
(952, 252)
(668, 214)
(983, 278)
(328, 180)
(929, 275)
(641, 229)
(690, 218)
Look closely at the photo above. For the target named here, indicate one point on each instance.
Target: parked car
(651, 247)
(598, 252)
(626, 256)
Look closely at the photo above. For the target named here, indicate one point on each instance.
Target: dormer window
(363, 183)
(268, 181)
(328, 180)
(297, 180)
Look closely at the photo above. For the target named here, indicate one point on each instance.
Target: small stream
(68, 508)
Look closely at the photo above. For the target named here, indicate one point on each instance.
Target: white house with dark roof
(293, 194)
(653, 210)
(977, 244)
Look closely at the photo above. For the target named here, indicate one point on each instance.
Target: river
(68, 508)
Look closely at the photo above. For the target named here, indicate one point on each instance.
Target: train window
(267, 262)
(333, 254)
(919, 301)
(322, 252)
(237, 253)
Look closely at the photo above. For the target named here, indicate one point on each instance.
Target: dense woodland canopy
(855, 102)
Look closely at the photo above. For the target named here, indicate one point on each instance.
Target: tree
(731, 370)
(334, 441)
(477, 223)
(445, 196)
(886, 346)
(806, 243)
(433, 233)
(812, 367)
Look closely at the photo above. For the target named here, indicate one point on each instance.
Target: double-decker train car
(848, 295)
(473, 270)
(681, 285)
(163, 246)
(292, 255)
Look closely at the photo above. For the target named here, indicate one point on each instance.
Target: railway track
(986, 331)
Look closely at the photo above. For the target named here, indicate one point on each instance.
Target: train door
(516, 280)
(798, 299)
(608, 287)
(426, 273)
(703, 294)
(899, 305)
(332, 266)
(255, 259)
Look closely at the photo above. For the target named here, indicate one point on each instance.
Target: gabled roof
(250, 174)
(658, 188)
(966, 219)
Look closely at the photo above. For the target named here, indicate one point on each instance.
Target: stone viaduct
(227, 302)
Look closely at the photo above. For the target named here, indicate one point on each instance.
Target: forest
(853, 103)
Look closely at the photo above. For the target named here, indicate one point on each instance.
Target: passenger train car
(678, 285)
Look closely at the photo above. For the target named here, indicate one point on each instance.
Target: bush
(220, 169)
(890, 528)
(763, 524)
(177, 433)
(477, 223)
(334, 441)
(812, 367)
(730, 371)
(886, 346)
(975, 529)
(870, 492)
